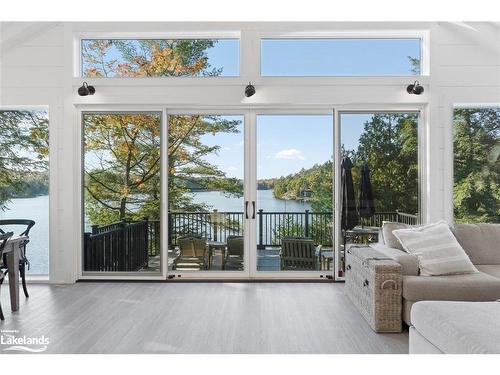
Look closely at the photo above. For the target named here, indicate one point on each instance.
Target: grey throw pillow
(389, 238)
(437, 249)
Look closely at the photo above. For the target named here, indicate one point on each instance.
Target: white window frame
(77, 48)
(422, 35)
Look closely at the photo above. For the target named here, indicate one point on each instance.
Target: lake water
(38, 209)
(34, 209)
(265, 201)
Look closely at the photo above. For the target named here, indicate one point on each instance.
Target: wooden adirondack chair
(299, 254)
(234, 253)
(193, 253)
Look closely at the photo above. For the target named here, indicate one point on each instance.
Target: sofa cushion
(409, 262)
(389, 238)
(469, 287)
(437, 249)
(490, 269)
(459, 327)
(480, 241)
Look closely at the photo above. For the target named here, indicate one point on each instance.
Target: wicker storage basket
(373, 284)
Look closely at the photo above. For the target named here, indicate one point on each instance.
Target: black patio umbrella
(349, 212)
(366, 202)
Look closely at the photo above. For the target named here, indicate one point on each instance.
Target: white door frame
(250, 114)
(81, 275)
(254, 274)
(423, 146)
(231, 275)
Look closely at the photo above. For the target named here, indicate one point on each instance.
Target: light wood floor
(197, 318)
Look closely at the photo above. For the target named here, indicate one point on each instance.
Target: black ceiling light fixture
(249, 90)
(85, 90)
(415, 88)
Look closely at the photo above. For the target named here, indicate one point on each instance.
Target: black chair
(4, 238)
(23, 261)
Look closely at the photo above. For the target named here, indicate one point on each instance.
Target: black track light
(249, 90)
(415, 88)
(85, 90)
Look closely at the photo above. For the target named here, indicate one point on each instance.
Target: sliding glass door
(206, 206)
(294, 194)
(241, 194)
(250, 195)
(121, 193)
(381, 147)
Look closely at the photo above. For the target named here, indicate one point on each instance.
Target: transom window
(137, 58)
(341, 57)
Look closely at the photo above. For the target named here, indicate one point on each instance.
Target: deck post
(306, 223)
(216, 226)
(170, 229)
(123, 245)
(261, 246)
(87, 257)
(146, 242)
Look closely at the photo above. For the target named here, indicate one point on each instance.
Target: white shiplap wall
(37, 67)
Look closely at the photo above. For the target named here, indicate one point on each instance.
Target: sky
(340, 57)
(285, 143)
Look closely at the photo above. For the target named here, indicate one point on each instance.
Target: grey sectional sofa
(455, 327)
(481, 242)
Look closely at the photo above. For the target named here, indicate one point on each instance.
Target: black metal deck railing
(119, 246)
(127, 246)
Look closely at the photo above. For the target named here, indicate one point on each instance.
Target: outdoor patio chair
(234, 253)
(4, 238)
(192, 253)
(23, 261)
(299, 253)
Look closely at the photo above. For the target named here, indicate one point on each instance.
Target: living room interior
(250, 187)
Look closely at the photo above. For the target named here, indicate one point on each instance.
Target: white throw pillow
(436, 248)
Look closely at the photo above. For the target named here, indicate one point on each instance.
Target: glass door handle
(246, 209)
(253, 206)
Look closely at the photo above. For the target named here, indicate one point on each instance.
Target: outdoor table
(370, 233)
(215, 245)
(12, 251)
(325, 259)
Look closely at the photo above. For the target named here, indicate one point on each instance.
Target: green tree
(414, 65)
(476, 190)
(24, 151)
(122, 163)
(313, 184)
(188, 169)
(147, 58)
(389, 146)
(122, 178)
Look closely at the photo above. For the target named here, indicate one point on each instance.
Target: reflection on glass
(385, 146)
(24, 180)
(121, 192)
(294, 192)
(205, 193)
(476, 144)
